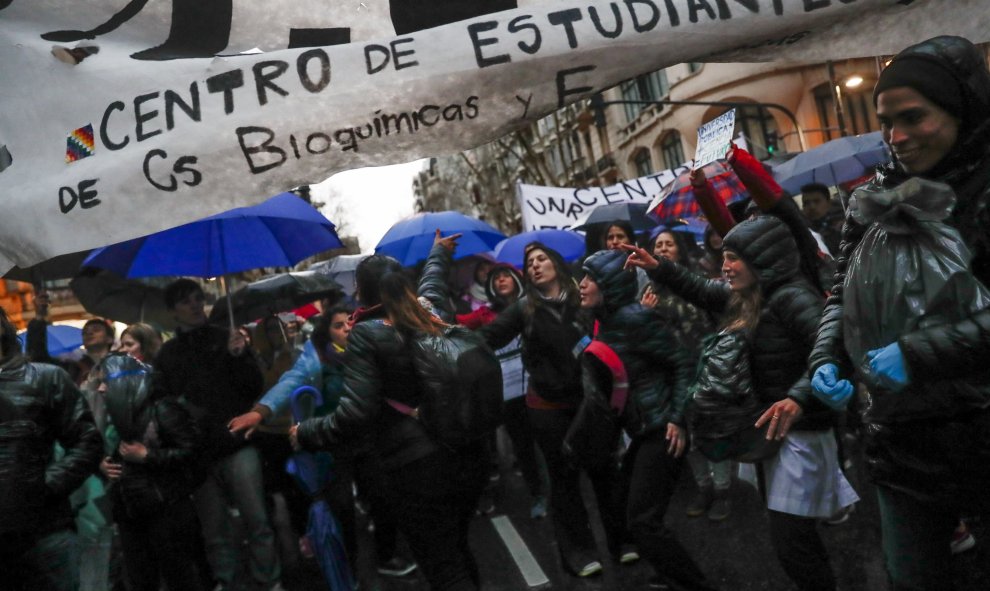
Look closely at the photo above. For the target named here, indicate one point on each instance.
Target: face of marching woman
(131, 346)
(340, 327)
(919, 132)
(736, 272)
(615, 237)
(666, 247)
(542, 274)
(591, 296)
(503, 284)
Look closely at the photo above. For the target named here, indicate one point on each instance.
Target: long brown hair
(743, 311)
(403, 308)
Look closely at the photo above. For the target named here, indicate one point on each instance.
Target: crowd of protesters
(611, 367)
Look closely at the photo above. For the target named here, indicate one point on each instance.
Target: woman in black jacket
(766, 296)
(432, 489)
(928, 434)
(151, 480)
(658, 370)
(547, 318)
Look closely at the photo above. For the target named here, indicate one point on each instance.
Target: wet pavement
(735, 554)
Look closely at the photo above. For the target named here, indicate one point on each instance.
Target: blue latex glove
(887, 366)
(826, 386)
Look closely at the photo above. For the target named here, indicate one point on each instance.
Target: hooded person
(643, 351)
(933, 103)
(151, 478)
(767, 296)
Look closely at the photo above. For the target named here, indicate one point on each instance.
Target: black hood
(617, 285)
(768, 247)
(128, 392)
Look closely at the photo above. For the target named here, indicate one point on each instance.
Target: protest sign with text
(123, 118)
(714, 139)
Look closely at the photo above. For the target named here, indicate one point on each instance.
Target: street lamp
(854, 81)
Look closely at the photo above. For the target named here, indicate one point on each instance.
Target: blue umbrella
(411, 239)
(570, 245)
(833, 163)
(62, 339)
(279, 232)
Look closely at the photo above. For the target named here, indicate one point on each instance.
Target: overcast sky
(372, 199)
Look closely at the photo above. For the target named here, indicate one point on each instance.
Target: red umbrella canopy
(677, 201)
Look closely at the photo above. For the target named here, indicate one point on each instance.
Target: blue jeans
(236, 480)
(39, 563)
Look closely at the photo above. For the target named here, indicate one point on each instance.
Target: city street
(736, 553)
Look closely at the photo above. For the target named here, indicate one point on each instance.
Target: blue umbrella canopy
(832, 163)
(62, 339)
(411, 239)
(570, 245)
(279, 232)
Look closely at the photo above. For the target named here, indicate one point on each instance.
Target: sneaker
(628, 556)
(962, 539)
(655, 582)
(701, 502)
(591, 569)
(396, 567)
(841, 516)
(720, 507)
(486, 504)
(539, 508)
(277, 587)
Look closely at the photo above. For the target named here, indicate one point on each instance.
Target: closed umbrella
(833, 163)
(276, 293)
(410, 240)
(279, 232)
(60, 267)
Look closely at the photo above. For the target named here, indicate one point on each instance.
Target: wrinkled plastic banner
(120, 118)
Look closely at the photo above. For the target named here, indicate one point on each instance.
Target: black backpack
(460, 385)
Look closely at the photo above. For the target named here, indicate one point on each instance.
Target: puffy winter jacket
(379, 366)
(789, 316)
(163, 425)
(658, 365)
(39, 406)
(937, 458)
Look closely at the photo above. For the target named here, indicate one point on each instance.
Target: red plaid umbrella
(677, 200)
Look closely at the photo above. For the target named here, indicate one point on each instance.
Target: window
(648, 87)
(644, 165)
(756, 124)
(694, 67)
(858, 112)
(672, 150)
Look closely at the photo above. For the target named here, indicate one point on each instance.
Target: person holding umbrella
(210, 370)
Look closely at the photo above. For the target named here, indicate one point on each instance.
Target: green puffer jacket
(657, 363)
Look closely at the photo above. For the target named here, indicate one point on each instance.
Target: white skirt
(804, 477)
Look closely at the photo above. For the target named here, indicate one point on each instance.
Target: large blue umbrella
(570, 245)
(279, 232)
(832, 163)
(411, 239)
(62, 339)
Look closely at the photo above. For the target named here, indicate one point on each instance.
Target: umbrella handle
(230, 307)
(295, 401)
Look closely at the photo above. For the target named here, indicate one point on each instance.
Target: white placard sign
(714, 139)
(121, 118)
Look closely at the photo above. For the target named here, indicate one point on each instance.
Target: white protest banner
(117, 119)
(563, 208)
(714, 139)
